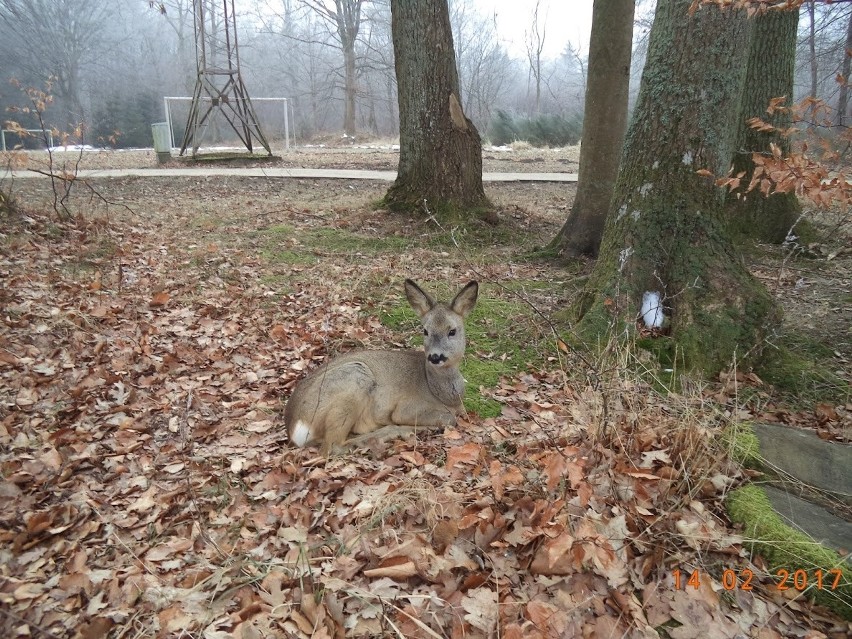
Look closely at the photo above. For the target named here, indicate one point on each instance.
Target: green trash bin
(162, 141)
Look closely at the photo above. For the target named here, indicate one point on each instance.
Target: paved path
(346, 174)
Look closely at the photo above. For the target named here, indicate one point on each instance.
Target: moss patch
(802, 369)
(744, 445)
(788, 549)
(339, 241)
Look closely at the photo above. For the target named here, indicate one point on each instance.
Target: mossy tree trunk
(440, 155)
(771, 65)
(666, 231)
(604, 123)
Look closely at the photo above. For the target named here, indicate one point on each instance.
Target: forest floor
(148, 489)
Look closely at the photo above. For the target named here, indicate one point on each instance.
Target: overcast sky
(564, 20)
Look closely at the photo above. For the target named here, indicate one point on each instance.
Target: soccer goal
(274, 115)
(30, 134)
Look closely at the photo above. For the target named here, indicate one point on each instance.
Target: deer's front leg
(423, 415)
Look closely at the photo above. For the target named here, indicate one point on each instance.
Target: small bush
(539, 130)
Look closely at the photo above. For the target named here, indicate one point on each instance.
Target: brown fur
(363, 391)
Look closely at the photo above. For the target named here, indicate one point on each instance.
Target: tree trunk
(440, 158)
(350, 89)
(845, 70)
(771, 66)
(666, 230)
(812, 47)
(346, 19)
(604, 124)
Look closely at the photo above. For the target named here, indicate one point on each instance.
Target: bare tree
(300, 58)
(178, 14)
(812, 45)
(485, 69)
(56, 39)
(345, 18)
(534, 40)
(376, 76)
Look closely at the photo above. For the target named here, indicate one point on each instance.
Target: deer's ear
(420, 301)
(465, 299)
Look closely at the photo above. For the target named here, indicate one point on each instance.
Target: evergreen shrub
(540, 130)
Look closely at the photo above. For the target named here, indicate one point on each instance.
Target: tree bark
(535, 46)
(604, 124)
(771, 67)
(845, 71)
(350, 90)
(440, 158)
(812, 47)
(666, 230)
(348, 24)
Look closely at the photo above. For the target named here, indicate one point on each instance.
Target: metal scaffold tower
(218, 84)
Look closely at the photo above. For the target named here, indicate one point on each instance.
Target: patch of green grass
(208, 222)
(277, 230)
(340, 241)
(288, 256)
(479, 237)
(324, 239)
(501, 340)
(801, 368)
(281, 283)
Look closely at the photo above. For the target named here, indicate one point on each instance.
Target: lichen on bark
(666, 229)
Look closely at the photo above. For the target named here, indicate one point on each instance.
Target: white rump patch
(301, 433)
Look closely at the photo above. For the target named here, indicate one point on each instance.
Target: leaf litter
(148, 488)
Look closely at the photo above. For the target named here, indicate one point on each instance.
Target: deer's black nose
(435, 358)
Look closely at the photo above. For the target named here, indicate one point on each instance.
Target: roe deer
(362, 391)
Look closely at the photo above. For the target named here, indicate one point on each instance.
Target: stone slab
(814, 521)
(811, 460)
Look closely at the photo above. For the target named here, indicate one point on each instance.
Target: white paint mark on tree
(652, 309)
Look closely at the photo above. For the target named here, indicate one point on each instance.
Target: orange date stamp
(745, 579)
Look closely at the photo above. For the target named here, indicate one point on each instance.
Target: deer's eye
(452, 332)
(425, 332)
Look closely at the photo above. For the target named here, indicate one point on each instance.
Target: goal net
(274, 116)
